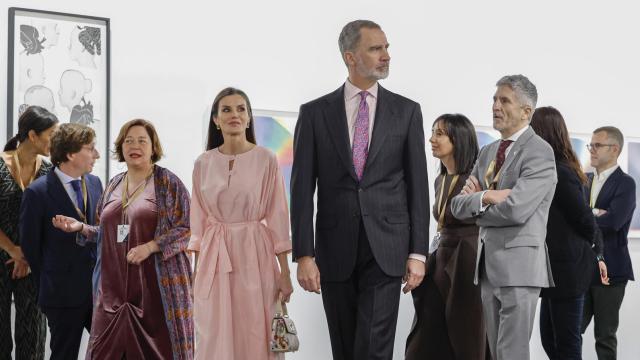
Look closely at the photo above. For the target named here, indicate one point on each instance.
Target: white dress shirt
(598, 182)
(352, 104)
(66, 182)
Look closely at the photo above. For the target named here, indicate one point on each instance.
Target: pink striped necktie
(360, 148)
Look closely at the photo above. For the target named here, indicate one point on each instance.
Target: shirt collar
(351, 91)
(64, 177)
(605, 174)
(517, 135)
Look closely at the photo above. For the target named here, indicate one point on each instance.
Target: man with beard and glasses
(362, 147)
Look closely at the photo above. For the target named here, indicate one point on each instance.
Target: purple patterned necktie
(360, 148)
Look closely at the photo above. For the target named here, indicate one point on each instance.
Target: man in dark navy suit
(612, 196)
(362, 148)
(61, 266)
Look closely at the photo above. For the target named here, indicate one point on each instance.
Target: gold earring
(217, 126)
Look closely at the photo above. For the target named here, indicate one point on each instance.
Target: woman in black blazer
(574, 242)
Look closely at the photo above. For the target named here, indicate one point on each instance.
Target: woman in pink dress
(239, 227)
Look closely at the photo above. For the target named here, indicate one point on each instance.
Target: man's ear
(527, 112)
(349, 58)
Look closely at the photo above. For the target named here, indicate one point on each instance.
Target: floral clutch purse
(284, 336)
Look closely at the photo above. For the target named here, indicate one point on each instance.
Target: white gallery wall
(169, 60)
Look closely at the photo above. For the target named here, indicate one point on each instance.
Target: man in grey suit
(509, 193)
(372, 221)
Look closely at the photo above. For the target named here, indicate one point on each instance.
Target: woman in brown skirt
(448, 321)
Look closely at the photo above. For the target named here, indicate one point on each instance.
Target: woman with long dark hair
(574, 243)
(20, 164)
(239, 227)
(448, 322)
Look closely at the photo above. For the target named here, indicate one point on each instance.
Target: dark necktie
(504, 144)
(360, 148)
(77, 188)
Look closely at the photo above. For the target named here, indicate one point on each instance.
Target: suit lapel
(57, 192)
(515, 150)
(336, 121)
(383, 122)
(607, 189)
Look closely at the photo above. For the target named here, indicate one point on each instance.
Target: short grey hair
(525, 91)
(613, 133)
(350, 34)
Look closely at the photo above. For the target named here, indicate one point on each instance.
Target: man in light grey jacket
(509, 193)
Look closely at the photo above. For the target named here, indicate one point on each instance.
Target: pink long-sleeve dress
(239, 222)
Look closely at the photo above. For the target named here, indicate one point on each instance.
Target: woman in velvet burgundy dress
(142, 282)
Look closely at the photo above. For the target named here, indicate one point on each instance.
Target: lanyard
(442, 206)
(18, 170)
(128, 200)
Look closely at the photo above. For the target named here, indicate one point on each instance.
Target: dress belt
(214, 249)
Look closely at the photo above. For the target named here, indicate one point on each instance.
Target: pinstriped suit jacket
(391, 199)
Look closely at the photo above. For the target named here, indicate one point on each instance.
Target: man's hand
(66, 224)
(414, 275)
(471, 186)
(308, 274)
(604, 277)
(495, 197)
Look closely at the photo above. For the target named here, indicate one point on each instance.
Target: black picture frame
(62, 62)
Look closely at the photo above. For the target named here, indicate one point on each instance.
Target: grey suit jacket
(513, 232)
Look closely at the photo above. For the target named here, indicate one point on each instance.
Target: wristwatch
(599, 258)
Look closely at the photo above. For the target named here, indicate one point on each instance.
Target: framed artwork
(633, 149)
(274, 130)
(60, 62)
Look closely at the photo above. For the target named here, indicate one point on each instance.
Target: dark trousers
(66, 325)
(560, 325)
(602, 303)
(362, 311)
(30, 325)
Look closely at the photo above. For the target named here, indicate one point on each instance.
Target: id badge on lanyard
(124, 227)
(442, 208)
(123, 233)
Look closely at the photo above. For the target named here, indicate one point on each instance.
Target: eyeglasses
(597, 146)
(139, 141)
(91, 148)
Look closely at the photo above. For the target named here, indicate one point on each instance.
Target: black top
(573, 238)
(450, 221)
(10, 198)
